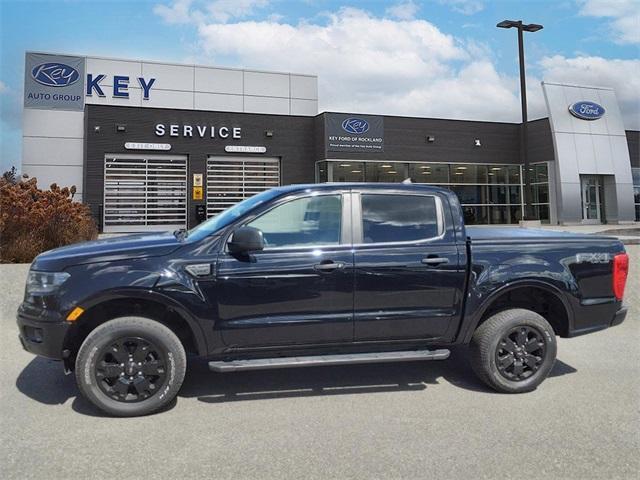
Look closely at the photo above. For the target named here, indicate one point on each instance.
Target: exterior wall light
(268, 133)
(121, 127)
(477, 142)
(431, 139)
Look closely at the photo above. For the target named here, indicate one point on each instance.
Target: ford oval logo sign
(357, 126)
(55, 74)
(586, 110)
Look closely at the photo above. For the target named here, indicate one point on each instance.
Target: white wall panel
(556, 102)
(602, 154)
(266, 84)
(134, 99)
(303, 86)
(170, 99)
(52, 151)
(612, 116)
(108, 67)
(585, 154)
(218, 80)
(169, 77)
(304, 107)
(266, 105)
(52, 123)
(218, 102)
(64, 176)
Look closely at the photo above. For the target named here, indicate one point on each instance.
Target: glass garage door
(232, 179)
(144, 192)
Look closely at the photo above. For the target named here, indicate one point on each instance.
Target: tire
(522, 370)
(130, 366)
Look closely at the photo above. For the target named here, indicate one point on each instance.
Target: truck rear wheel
(130, 366)
(513, 351)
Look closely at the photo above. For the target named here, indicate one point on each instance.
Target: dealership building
(158, 146)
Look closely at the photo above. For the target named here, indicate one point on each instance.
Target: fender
(158, 297)
(471, 321)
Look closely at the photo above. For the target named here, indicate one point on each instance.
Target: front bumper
(43, 335)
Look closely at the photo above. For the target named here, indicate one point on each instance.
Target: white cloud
(373, 65)
(403, 11)
(466, 7)
(622, 75)
(625, 15)
(178, 12)
(3, 87)
(190, 11)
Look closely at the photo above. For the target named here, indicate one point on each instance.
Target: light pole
(524, 157)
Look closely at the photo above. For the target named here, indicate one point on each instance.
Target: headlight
(45, 283)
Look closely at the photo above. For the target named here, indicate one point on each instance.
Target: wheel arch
(540, 297)
(127, 302)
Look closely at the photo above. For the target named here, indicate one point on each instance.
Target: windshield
(227, 216)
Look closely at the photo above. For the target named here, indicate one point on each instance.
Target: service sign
(54, 82)
(354, 133)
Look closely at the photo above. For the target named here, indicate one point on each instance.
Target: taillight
(620, 271)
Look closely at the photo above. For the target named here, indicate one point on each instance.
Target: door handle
(328, 266)
(435, 260)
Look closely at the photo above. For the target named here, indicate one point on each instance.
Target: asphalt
(412, 420)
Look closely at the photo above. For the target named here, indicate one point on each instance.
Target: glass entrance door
(591, 199)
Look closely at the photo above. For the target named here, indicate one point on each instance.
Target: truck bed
(484, 233)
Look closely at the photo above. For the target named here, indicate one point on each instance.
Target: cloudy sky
(431, 58)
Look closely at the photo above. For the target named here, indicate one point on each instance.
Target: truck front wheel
(130, 366)
(513, 351)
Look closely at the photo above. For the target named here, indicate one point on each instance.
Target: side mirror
(245, 240)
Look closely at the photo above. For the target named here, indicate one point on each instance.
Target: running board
(323, 360)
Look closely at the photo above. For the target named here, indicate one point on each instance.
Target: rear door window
(398, 218)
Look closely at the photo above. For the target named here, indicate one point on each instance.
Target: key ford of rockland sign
(57, 82)
(347, 133)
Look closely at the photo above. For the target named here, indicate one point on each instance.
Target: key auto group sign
(54, 82)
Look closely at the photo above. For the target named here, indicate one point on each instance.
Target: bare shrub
(34, 220)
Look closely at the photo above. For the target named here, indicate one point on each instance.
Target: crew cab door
(299, 289)
(408, 280)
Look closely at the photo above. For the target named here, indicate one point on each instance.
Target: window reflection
(489, 193)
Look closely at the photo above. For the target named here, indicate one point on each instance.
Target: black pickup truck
(310, 275)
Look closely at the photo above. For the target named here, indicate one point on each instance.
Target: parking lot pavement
(412, 420)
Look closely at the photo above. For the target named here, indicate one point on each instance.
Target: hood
(107, 250)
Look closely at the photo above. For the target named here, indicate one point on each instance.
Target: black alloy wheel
(520, 353)
(514, 350)
(131, 369)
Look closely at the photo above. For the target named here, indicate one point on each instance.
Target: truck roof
(415, 187)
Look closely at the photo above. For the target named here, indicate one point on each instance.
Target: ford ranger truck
(326, 274)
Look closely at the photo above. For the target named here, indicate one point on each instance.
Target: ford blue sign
(357, 126)
(586, 110)
(55, 74)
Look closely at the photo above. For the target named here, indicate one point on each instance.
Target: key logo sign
(586, 110)
(54, 74)
(355, 126)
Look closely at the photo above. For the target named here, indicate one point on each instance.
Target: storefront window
(469, 174)
(321, 172)
(489, 194)
(346, 172)
(433, 173)
(539, 178)
(635, 172)
(385, 172)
